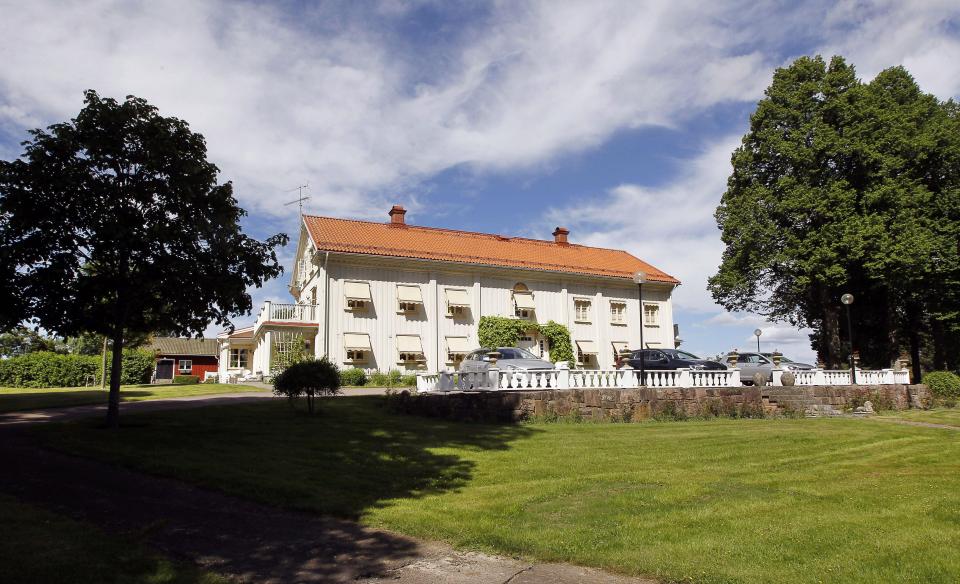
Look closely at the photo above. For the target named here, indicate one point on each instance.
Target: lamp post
(847, 300)
(641, 277)
(757, 333)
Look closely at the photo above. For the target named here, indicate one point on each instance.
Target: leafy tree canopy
(841, 186)
(114, 224)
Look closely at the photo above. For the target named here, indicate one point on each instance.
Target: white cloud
(359, 117)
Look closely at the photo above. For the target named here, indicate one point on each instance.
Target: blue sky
(613, 118)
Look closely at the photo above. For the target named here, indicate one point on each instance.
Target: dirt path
(249, 541)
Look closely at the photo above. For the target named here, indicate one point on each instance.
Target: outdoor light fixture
(757, 333)
(847, 300)
(641, 277)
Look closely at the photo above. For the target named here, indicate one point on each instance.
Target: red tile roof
(430, 243)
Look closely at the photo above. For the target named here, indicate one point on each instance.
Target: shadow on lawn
(54, 398)
(351, 457)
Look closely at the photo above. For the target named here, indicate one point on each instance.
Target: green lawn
(14, 399)
(40, 547)
(946, 416)
(810, 500)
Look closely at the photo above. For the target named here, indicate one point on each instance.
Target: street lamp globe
(758, 332)
(847, 299)
(640, 277)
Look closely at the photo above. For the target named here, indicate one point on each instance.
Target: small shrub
(310, 379)
(667, 410)
(378, 379)
(944, 386)
(354, 377)
(394, 377)
(186, 379)
(409, 380)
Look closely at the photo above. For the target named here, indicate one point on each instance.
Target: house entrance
(164, 369)
(534, 344)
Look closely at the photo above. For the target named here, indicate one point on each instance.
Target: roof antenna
(300, 198)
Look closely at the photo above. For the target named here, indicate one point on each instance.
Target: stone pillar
(685, 378)
(563, 374)
(818, 377)
(735, 377)
(777, 373)
(493, 378)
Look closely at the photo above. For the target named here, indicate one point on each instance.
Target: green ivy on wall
(501, 331)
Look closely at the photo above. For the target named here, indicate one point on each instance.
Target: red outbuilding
(178, 356)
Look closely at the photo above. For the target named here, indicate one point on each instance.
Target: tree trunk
(103, 364)
(913, 321)
(939, 344)
(116, 366)
(832, 349)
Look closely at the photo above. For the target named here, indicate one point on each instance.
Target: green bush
(137, 366)
(307, 378)
(378, 379)
(44, 369)
(186, 379)
(393, 378)
(943, 385)
(409, 380)
(353, 377)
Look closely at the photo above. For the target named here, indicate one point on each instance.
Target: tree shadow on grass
(54, 398)
(352, 457)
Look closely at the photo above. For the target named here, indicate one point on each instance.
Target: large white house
(383, 296)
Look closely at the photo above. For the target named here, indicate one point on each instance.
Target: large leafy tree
(114, 223)
(841, 186)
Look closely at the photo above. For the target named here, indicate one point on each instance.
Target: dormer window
(357, 295)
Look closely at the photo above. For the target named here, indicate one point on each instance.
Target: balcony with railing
(287, 314)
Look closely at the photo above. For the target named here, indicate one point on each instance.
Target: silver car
(752, 363)
(511, 359)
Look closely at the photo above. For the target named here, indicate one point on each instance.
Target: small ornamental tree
(114, 223)
(308, 379)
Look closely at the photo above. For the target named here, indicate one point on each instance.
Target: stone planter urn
(493, 355)
(788, 379)
(777, 358)
(732, 358)
(759, 379)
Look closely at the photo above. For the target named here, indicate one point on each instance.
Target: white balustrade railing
(274, 312)
(564, 378)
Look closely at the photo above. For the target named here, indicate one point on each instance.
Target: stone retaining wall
(639, 404)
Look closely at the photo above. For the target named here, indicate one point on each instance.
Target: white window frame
(655, 311)
(180, 368)
(582, 308)
(239, 359)
(356, 356)
(618, 312)
(455, 311)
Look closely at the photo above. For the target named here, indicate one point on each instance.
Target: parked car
(752, 363)
(658, 359)
(511, 358)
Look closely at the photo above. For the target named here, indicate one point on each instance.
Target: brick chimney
(396, 215)
(560, 235)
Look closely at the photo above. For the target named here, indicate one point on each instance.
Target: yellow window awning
(356, 341)
(458, 345)
(524, 300)
(457, 297)
(587, 347)
(409, 293)
(356, 290)
(409, 344)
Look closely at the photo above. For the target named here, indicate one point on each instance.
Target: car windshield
(783, 358)
(686, 355)
(515, 353)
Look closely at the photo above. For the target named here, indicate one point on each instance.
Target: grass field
(823, 500)
(946, 416)
(40, 547)
(14, 399)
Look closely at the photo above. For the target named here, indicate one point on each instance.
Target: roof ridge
(498, 236)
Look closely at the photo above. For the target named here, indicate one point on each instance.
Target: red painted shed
(179, 356)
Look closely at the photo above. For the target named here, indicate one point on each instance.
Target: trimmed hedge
(186, 379)
(943, 384)
(45, 369)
